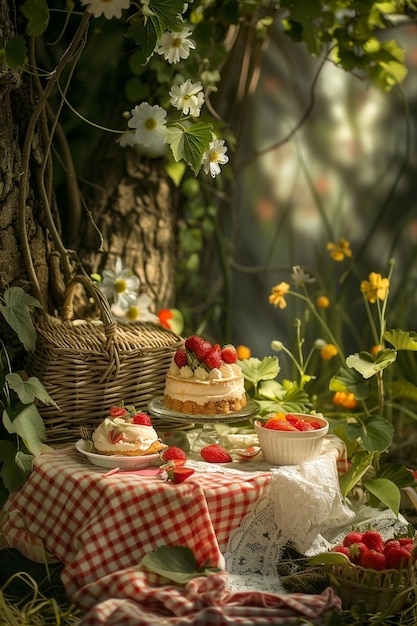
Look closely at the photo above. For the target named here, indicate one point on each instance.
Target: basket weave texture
(379, 590)
(89, 366)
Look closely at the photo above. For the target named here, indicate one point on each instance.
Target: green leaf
(403, 390)
(401, 339)
(367, 366)
(15, 466)
(166, 14)
(254, 370)
(361, 464)
(396, 473)
(190, 143)
(15, 53)
(386, 492)
(329, 558)
(25, 421)
(176, 563)
(348, 379)
(37, 15)
(376, 433)
(28, 390)
(16, 313)
(145, 38)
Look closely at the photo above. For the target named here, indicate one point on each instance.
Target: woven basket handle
(111, 345)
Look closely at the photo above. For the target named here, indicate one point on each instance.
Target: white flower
(108, 8)
(187, 97)
(120, 285)
(138, 311)
(213, 156)
(127, 139)
(149, 123)
(300, 277)
(175, 46)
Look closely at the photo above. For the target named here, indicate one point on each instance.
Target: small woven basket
(88, 366)
(379, 590)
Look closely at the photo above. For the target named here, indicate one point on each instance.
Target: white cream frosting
(135, 436)
(225, 383)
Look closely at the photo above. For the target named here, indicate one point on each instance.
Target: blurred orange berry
(375, 350)
(243, 352)
(328, 351)
(322, 302)
(345, 399)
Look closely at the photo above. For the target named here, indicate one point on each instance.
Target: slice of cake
(127, 435)
(204, 379)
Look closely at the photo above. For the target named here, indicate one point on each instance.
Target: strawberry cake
(204, 379)
(127, 434)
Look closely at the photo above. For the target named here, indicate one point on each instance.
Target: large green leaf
(25, 421)
(28, 390)
(15, 311)
(167, 13)
(189, 143)
(37, 15)
(361, 464)
(402, 339)
(255, 370)
(396, 473)
(367, 365)
(176, 563)
(376, 433)
(15, 52)
(386, 491)
(145, 38)
(15, 466)
(348, 379)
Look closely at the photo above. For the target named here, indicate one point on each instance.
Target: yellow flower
(243, 352)
(328, 351)
(340, 250)
(376, 287)
(322, 302)
(277, 295)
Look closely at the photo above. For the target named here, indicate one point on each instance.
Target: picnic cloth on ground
(126, 599)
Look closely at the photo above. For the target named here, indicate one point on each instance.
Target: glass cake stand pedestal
(208, 433)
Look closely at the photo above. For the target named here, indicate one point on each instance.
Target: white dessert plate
(157, 408)
(110, 462)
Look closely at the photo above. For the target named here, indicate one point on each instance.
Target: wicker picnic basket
(88, 366)
(385, 590)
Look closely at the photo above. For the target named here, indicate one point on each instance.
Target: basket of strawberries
(366, 569)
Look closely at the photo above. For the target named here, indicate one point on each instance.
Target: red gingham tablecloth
(101, 526)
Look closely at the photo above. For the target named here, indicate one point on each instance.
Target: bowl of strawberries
(291, 438)
(366, 569)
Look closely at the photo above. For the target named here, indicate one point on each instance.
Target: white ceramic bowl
(282, 447)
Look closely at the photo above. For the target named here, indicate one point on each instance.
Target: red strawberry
(316, 425)
(373, 540)
(304, 426)
(180, 358)
(199, 346)
(353, 537)
(229, 354)
(374, 559)
(214, 357)
(397, 557)
(342, 549)
(215, 453)
(115, 435)
(117, 411)
(174, 454)
(292, 419)
(142, 418)
(357, 550)
(391, 543)
(179, 474)
(275, 424)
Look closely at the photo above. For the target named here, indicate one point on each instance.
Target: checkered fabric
(101, 526)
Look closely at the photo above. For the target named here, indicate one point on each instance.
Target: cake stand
(208, 432)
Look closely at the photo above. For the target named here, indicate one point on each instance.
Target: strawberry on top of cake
(126, 432)
(204, 379)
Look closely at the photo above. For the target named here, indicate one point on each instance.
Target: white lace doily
(302, 507)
